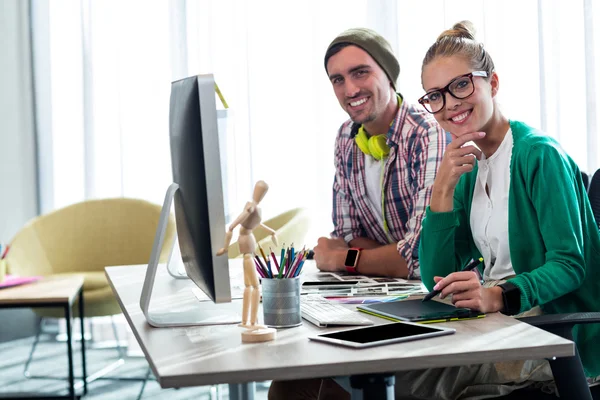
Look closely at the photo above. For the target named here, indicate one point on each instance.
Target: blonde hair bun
(462, 29)
(460, 41)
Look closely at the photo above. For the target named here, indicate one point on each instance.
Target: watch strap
(351, 269)
(511, 298)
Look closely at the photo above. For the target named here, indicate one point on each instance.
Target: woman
(516, 198)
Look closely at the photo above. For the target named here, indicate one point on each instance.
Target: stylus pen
(471, 266)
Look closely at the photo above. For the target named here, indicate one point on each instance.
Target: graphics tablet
(419, 311)
(382, 334)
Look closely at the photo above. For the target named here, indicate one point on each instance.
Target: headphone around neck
(374, 146)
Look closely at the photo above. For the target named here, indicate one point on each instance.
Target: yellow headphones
(374, 146)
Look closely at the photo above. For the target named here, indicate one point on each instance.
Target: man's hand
(467, 292)
(330, 254)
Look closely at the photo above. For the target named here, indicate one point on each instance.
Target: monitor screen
(195, 160)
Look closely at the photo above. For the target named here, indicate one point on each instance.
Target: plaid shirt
(417, 144)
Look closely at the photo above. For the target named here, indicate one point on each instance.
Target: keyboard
(322, 312)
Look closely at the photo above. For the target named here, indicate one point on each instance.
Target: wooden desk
(58, 293)
(195, 356)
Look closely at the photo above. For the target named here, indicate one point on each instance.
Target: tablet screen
(381, 332)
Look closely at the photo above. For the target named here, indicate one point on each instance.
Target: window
(103, 84)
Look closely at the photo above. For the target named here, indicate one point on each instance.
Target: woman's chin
(458, 131)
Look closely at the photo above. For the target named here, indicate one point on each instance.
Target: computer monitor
(196, 165)
(199, 210)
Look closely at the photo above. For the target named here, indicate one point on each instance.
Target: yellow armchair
(84, 238)
(291, 227)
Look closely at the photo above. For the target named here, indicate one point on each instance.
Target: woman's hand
(458, 159)
(467, 292)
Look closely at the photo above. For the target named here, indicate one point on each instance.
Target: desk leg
(568, 371)
(68, 316)
(83, 362)
(242, 391)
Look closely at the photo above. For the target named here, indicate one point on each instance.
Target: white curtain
(104, 70)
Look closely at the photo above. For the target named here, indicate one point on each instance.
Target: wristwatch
(511, 297)
(352, 260)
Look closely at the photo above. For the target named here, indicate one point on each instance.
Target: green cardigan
(553, 237)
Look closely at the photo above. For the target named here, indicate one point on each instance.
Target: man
(386, 158)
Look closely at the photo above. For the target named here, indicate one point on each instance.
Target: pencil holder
(281, 302)
(2, 270)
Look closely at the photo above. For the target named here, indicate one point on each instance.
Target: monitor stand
(174, 268)
(200, 313)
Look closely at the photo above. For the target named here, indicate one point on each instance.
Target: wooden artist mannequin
(248, 220)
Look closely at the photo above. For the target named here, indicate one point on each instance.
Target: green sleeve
(445, 240)
(551, 188)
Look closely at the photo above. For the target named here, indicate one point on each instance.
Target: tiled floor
(50, 359)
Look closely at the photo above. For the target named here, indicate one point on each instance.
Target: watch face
(351, 257)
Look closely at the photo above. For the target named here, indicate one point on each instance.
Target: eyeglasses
(460, 88)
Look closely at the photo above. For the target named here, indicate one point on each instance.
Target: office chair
(82, 239)
(594, 195)
(291, 226)
(586, 180)
(568, 372)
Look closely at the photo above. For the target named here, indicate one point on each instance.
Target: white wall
(18, 182)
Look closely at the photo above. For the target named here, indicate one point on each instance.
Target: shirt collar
(395, 132)
(504, 147)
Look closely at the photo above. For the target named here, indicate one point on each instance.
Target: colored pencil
(259, 269)
(274, 260)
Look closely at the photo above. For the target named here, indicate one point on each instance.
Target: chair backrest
(88, 236)
(594, 195)
(586, 180)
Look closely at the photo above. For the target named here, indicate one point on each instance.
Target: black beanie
(374, 44)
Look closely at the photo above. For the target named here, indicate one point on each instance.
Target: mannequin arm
(241, 218)
(225, 247)
(229, 234)
(272, 232)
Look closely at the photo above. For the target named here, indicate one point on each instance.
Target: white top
(489, 211)
(373, 178)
